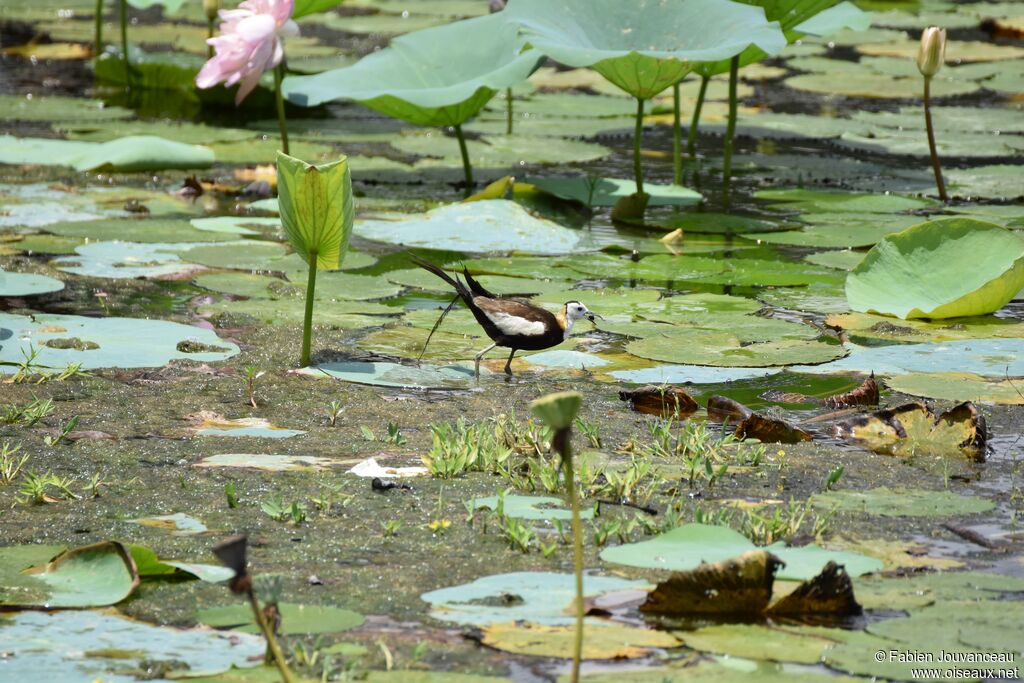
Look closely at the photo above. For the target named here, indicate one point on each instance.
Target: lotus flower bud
(932, 52)
(558, 410)
(211, 7)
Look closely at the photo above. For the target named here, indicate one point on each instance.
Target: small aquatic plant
(10, 465)
(317, 212)
(251, 41)
(558, 411)
(252, 375)
(930, 56)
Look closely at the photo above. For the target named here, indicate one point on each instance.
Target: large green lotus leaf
(250, 255)
(886, 502)
(999, 180)
(714, 223)
(50, 108)
(236, 225)
(696, 346)
(646, 46)
(295, 618)
(803, 645)
(317, 209)
(127, 260)
(52, 646)
(133, 153)
(990, 357)
(105, 342)
(841, 230)
(949, 268)
(497, 151)
(593, 191)
(484, 226)
(685, 547)
(845, 15)
(395, 375)
(987, 624)
(439, 76)
(27, 284)
(345, 315)
(330, 285)
(306, 7)
(163, 230)
(188, 133)
(959, 386)
(833, 201)
(840, 260)
(870, 326)
(531, 507)
(859, 651)
(90, 576)
(543, 598)
(43, 244)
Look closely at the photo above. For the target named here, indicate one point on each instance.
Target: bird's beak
(591, 315)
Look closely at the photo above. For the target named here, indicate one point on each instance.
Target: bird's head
(574, 310)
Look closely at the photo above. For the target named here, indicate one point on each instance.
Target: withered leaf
(738, 586)
(752, 425)
(913, 428)
(722, 409)
(828, 593)
(864, 395)
(663, 401)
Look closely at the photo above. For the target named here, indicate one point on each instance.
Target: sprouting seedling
(833, 477)
(64, 433)
(336, 409)
(10, 463)
(94, 484)
(930, 57)
(559, 411)
(395, 435)
(317, 211)
(231, 494)
(252, 376)
(232, 553)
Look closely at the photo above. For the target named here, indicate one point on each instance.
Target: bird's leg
(508, 365)
(479, 356)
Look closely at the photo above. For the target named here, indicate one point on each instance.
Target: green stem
(638, 135)
(307, 323)
(97, 40)
(466, 167)
(124, 43)
(508, 111)
(281, 122)
(730, 129)
(677, 150)
(565, 452)
(275, 647)
(939, 183)
(691, 138)
(209, 35)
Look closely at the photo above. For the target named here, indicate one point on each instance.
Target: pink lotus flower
(250, 43)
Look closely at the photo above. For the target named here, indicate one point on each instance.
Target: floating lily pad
(773, 643)
(608, 191)
(537, 597)
(498, 151)
(27, 284)
(993, 357)
(50, 646)
(395, 375)
(330, 285)
(207, 423)
(685, 547)
(913, 429)
(841, 230)
(601, 641)
(127, 260)
(858, 655)
(106, 342)
(265, 256)
(886, 502)
(690, 374)
(956, 50)
(873, 85)
(959, 386)
(715, 223)
(920, 272)
(831, 201)
(987, 625)
(236, 225)
(1000, 180)
(179, 524)
(868, 326)
(49, 108)
(295, 618)
(840, 260)
(530, 507)
(270, 463)
(346, 315)
(493, 225)
(90, 576)
(160, 230)
(133, 153)
(696, 346)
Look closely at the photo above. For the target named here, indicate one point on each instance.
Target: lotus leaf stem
(561, 444)
(272, 644)
(466, 167)
(209, 35)
(638, 134)
(730, 129)
(691, 138)
(97, 40)
(124, 43)
(281, 121)
(307, 322)
(939, 183)
(677, 150)
(508, 111)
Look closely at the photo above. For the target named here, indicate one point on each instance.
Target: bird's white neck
(568, 328)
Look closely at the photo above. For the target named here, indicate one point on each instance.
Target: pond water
(151, 314)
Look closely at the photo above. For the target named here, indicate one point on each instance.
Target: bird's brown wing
(517, 318)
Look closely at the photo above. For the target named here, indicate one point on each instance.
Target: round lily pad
(594, 191)
(395, 375)
(531, 507)
(959, 386)
(295, 618)
(269, 463)
(27, 284)
(498, 151)
(991, 357)
(721, 348)
(602, 641)
(886, 502)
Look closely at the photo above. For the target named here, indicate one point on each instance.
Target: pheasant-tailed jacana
(512, 323)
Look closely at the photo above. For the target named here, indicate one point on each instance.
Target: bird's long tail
(459, 286)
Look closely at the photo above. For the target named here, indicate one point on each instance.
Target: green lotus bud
(558, 410)
(932, 52)
(210, 8)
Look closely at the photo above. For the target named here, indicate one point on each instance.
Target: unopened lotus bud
(932, 52)
(211, 7)
(558, 410)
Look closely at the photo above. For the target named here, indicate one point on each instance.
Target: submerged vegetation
(787, 442)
